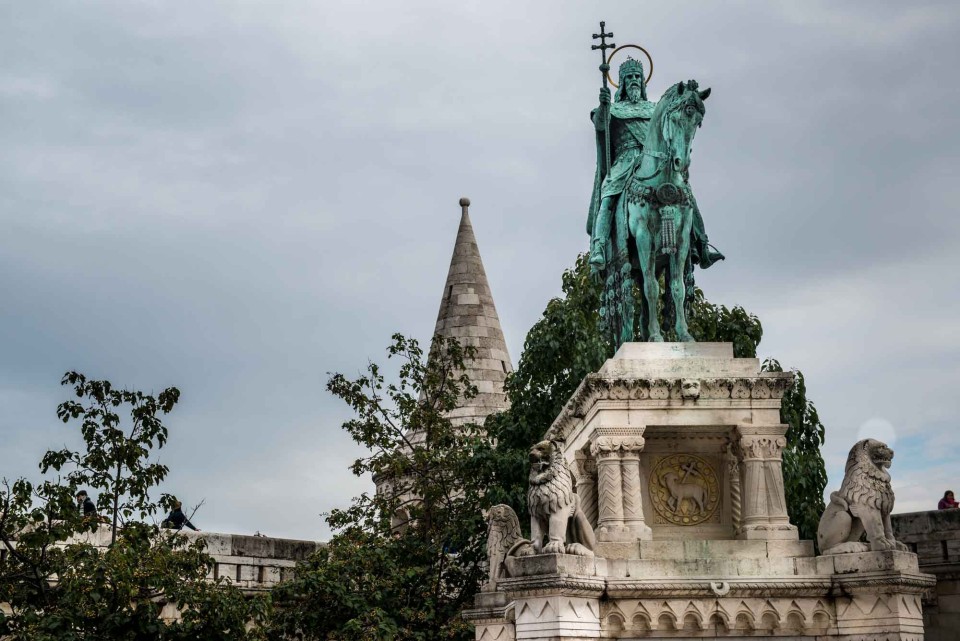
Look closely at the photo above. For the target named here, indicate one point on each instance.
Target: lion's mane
(864, 481)
(551, 490)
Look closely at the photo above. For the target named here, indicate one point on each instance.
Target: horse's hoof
(656, 338)
(687, 338)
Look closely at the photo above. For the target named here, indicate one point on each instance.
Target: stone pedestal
(707, 589)
(679, 440)
(677, 453)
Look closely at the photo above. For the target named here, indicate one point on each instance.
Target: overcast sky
(236, 198)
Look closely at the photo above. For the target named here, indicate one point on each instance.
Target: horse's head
(683, 114)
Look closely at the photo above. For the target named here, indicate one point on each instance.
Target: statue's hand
(604, 96)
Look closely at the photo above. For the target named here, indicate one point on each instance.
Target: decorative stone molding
(554, 584)
(641, 589)
(595, 388)
(764, 448)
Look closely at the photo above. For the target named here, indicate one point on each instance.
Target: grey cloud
(239, 199)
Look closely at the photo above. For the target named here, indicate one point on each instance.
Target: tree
(384, 577)
(804, 473)
(566, 344)
(60, 584)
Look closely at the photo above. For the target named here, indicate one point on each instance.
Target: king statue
(622, 144)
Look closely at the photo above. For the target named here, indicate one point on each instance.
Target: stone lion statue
(554, 506)
(503, 539)
(862, 505)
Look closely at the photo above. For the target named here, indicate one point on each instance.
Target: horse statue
(660, 213)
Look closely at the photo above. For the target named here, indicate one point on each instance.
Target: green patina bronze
(644, 222)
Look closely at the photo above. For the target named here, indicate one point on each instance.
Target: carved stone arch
(692, 617)
(744, 620)
(641, 622)
(720, 622)
(692, 621)
(821, 617)
(667, 621)
(795, 619)
(615, 622)
(769, 620)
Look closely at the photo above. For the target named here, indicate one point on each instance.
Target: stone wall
(254, 563)
(935, 537)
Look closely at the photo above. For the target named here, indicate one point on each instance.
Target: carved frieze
(595, 388)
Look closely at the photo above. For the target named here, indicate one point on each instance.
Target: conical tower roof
(467, 313)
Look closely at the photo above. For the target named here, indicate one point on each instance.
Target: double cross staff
(604, 68)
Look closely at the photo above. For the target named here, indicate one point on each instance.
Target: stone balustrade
(935, 537)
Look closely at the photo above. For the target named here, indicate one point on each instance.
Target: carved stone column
(609, 489)
(776, 494)
(632, 492)
(586, 473)
(764, 504)
(732, 462)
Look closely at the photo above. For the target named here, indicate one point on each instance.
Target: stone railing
(253, 563)
(935, 537)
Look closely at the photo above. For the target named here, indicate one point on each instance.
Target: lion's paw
(553, 547)
(847, 548)
(901, 546)
(882, 544)
(579, 550)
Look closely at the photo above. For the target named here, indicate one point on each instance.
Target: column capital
(762, 447)
(617, 442)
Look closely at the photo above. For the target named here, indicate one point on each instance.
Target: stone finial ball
(464, 202)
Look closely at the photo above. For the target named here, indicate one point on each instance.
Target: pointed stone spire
(468, 314)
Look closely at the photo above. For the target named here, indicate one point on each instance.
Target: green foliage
(61, 583)
(804, 472)
(405, 561)
(561, 348)
(717, 323)
(115, 461)
(566, 344)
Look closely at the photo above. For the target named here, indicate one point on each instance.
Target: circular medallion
(684, 489)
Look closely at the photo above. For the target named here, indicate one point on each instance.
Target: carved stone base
(765, 532)
(625, 533)
(707, 589)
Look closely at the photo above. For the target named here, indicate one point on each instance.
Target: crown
(631, 66)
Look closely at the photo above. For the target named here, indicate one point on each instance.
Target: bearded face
(633, 86)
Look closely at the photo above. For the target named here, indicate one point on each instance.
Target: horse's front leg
(678, 262)
(640, 215)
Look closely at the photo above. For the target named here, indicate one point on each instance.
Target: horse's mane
(670, 100)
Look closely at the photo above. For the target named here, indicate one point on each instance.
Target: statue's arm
(601, 115)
